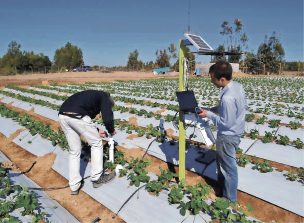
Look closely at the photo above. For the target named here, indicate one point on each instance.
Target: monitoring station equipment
(186, 98)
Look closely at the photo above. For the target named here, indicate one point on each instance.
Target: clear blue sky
(107, 31)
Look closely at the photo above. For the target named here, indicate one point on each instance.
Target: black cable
(26, 171)
(174, 120)
(129, 198)
(148, 148)
(185, 218)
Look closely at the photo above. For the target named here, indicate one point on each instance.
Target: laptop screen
(186, 101)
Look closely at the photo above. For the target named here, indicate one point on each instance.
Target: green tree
(236, 40)
(37, 62)
(221, 49)
(149, 65)
(68, 57)
(294, 66)
(11, 62)
(133, 62)
(162, 58)
(271, 53)
(252, 64)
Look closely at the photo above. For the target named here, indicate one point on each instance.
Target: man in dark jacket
(75, 118)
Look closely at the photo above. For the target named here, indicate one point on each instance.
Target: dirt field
(79, 77)
(82, 77)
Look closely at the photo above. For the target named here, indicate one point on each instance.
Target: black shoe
(104, 178)
(76, 192)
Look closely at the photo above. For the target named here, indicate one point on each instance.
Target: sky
(107, 31)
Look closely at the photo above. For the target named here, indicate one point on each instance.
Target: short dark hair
(221, 69)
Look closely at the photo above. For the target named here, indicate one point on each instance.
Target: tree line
(16, 61)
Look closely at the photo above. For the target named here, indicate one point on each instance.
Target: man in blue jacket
(75, 118)
(229, 117)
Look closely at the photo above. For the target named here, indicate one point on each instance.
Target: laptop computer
(187, 102)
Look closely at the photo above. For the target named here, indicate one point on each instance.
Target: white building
(203, 68)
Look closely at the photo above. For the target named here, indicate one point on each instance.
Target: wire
(148, 148)
(129, 198)
(26, 171)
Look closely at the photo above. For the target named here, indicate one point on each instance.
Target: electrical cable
(148, 148)
(26, 171)
(129, 198)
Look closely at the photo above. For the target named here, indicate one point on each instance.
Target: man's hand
(103, 134)
(203, 113)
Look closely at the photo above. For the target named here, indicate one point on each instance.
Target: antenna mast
(189, 6)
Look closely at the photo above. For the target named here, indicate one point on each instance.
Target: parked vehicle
(82, 69)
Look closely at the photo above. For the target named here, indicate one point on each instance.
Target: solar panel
(198, 42)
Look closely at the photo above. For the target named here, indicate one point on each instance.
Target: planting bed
(270, 157)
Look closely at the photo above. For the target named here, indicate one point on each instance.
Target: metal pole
(182, 132)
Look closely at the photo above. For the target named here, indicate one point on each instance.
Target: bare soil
(78, 77)
(92, 76)
(133, 121)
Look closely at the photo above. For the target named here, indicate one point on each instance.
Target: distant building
(203, 68)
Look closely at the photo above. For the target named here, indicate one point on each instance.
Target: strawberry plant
(109, 165)
(194, 206)
(283, 140)
(6, 207)
(138, 174)
(254, 134)
(301, 174)
(243, 160)
(119, 157)
(176, 194)
(28, 201)
(291, 176)
(123, 172)
(263, 167)
(261, 120)
(268, 137)
(154, 186)
(199, 190)
(239, 150)
(166, 176)
(249, 117)
(294, 125)
(219, 209)
(298, 143)
(274, 123)
(290, 113)
(10, 219)
(20, 197)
